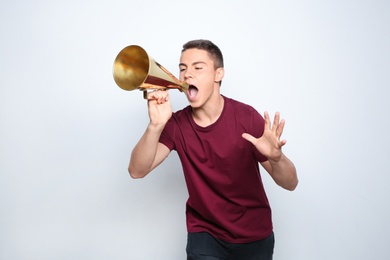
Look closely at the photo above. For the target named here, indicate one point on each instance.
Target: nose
(187, 74)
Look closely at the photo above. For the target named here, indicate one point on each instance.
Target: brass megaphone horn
(135, 69)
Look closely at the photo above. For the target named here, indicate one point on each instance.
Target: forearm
(284, 173)
(144, 153)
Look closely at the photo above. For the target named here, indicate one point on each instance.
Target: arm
(282, 172)
(149, 153)
(281, 169)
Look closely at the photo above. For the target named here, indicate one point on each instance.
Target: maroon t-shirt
(226, 194)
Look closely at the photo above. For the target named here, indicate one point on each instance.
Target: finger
(266, 120)
(276, 121)
(279, 130)
(249, 138)
(160, 96)
(282, 143)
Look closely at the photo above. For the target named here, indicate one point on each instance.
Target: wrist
(277, 159)
(155, 127)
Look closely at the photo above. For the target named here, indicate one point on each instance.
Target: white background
(67, 130)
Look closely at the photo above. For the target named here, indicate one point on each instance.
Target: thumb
(249, 138)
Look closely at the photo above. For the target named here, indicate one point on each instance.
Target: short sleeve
(257, 127)
(167, 134)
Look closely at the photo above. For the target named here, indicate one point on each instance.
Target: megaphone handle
(145, 94)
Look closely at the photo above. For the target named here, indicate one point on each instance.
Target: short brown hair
(208, 46)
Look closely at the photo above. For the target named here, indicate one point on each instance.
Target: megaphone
(135, 69)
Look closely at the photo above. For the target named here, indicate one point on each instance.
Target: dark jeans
(203, 246)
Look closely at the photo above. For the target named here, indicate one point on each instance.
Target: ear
(220, 72)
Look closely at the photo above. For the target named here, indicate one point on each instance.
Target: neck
(208, 114)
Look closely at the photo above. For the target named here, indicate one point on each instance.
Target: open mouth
(192, 91)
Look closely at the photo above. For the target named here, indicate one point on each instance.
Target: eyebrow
(193, 64)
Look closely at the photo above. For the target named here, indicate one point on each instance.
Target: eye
(198, 68)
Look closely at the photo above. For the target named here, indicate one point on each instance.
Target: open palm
(269, 144)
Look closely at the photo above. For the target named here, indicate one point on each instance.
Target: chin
(193, 103)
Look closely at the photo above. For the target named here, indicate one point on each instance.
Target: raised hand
(269, 144)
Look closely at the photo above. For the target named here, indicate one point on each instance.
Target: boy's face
(197, 69)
